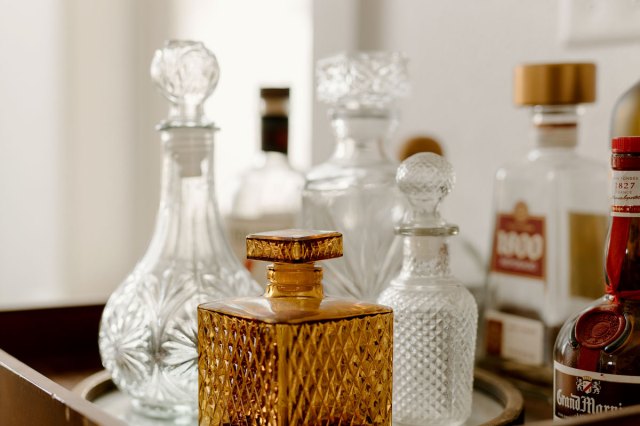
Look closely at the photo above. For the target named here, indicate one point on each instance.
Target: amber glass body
(292, 357)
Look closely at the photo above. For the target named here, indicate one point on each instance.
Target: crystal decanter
(293, 356)
(354, 192)
(435, 316)
(148, 332)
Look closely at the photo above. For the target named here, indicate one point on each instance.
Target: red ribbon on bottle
(618, 237)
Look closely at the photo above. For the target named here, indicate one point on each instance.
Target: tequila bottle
(550, 227)
(292, 356)
(268, 197)
(436, 317)
(148, 332)
(354, 192)
(597, 357)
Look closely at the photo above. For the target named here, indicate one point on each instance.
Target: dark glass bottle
(597, 353)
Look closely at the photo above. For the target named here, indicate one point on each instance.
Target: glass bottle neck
(555, 126)
(362, 135)
(188, 215)
(424, 257)
(294, 280)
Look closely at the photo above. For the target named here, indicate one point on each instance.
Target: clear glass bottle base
(179, 414)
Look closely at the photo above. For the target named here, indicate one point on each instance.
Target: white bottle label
(514, 337)
(580, 392)
(625, 192)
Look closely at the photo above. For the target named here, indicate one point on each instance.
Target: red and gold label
(519, 243)
(581, 392)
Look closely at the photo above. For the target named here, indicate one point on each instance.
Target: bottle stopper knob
(186, 73)
(294, 246)
(362, 79)
(425, 179)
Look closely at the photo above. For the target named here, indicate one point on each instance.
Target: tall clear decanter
(148, 332)
(435, 316)
(550, 226)
(354, 192)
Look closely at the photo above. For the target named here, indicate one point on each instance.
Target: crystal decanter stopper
(435, 315)
(354, 192)
(148, 332)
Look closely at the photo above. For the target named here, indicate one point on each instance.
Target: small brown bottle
(597, 353)
(293, 357)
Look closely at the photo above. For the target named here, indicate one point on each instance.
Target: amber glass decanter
(436, 317)
(354, 192)
(292, 356)
(148, 333)
(597, 354)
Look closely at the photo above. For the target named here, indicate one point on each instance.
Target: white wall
(30, 152)
(79, 156)
(462, 55)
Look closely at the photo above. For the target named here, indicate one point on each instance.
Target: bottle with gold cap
(292, 356)
(550, 226)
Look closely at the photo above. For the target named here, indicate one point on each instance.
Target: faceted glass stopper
(186, 73)
(294, 246)
(425, 179)
(363, 79)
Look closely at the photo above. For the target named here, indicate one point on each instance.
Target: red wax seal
(599, 327)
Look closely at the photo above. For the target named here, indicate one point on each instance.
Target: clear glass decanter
(148, 332)
(354, 192)
(435, 316)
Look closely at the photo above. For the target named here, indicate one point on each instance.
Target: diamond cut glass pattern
(293, 357)
(435, 315)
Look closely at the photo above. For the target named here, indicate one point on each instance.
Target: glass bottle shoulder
(416, 294)
(552, 164)
(625, 119)
(341, 175)
(294, 310)
(271, 187)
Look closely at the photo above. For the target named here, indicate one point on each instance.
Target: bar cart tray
(495, 401)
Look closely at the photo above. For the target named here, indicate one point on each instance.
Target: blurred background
(80, 159)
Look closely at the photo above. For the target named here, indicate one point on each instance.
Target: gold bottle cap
(294, 246)
(555, 84)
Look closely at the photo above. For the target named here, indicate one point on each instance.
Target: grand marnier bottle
(292, 356)
(597, 354)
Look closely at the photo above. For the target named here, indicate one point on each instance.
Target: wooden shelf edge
(27, 398)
